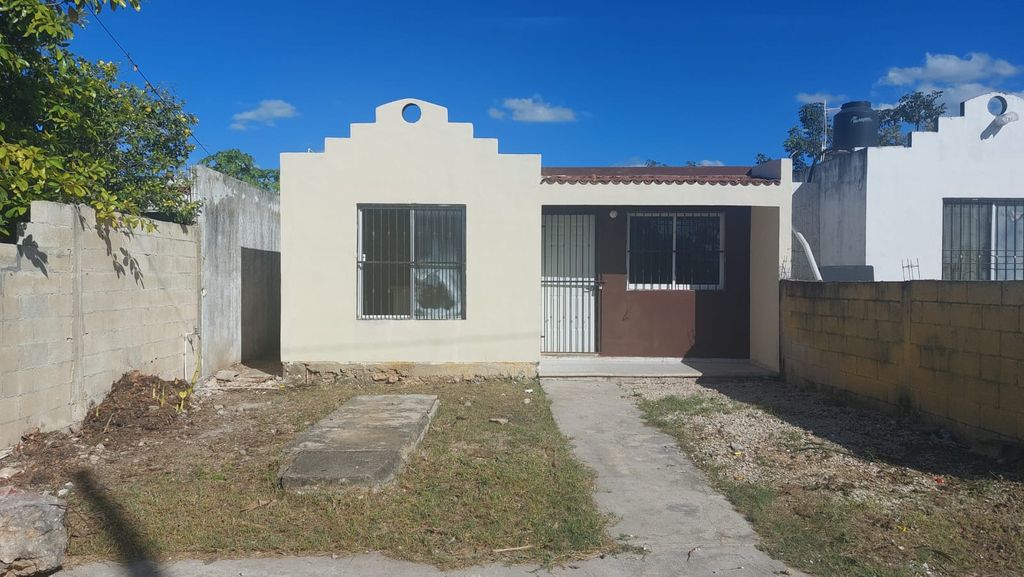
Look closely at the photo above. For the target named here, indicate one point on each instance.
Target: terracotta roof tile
(725, 175)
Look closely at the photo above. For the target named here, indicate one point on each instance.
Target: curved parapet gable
(977, 122)
(431, 114)
(421, 160)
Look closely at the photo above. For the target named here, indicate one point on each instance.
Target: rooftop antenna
(824, 124)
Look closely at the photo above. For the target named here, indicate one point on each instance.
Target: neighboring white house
(949, 206)
(414, 241)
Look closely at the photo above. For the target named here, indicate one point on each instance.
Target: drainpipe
(810, 256)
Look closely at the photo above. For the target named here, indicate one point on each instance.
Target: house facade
(948, 206)
(411, 241)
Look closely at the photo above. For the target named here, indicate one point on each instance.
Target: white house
(949, 206)
(412, 241)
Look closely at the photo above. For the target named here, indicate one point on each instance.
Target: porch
(661, 282)
(556, 366)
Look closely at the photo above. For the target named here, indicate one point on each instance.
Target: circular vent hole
(997, 105)
(411, 113)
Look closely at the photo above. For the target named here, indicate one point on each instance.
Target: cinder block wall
(951, 351)
(80, 305)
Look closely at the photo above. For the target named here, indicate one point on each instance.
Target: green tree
(918, 110)
(237, 164)
(803, 141)
(71, 132)
(762, 158)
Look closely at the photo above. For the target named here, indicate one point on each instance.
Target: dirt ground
(836, 490)
(140, 418)
(152, 479)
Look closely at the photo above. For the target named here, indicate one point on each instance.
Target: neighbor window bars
(676, 251)
(412, 262)
(982, 239)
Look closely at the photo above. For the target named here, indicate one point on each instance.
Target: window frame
(676, 286)
(361, 260)
(990, 262)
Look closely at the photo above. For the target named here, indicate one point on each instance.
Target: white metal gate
(569, 283)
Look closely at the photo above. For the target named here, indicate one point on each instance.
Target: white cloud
(950, 69)
(811, 97)
(711, 163)
(958, 78)
(533, 109)
(266, 113)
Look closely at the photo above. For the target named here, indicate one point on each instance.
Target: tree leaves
(918, 110)
(804, 141)
(71, 132)
(238, 164)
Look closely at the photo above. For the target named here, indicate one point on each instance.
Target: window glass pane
(1009, 236)
(966, 239)
(698, 245)
(650, 250)
(385, 268)
(440, 246)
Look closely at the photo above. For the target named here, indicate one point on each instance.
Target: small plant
(182, 395)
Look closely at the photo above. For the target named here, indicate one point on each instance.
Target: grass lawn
(835, 491)
(208, 488)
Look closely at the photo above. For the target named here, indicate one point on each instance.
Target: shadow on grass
(902, 440)
(134, 549)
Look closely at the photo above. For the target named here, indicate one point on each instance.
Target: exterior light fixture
(613, 213)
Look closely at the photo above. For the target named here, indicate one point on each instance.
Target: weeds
(473, 487)
(964, 526)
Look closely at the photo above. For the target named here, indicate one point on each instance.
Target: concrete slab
(648, 367)
(660, 498)
(365, 443)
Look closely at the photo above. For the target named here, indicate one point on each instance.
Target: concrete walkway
(660, 500)
(602, 367)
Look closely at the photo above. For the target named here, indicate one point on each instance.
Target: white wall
(906, 185)
(431, 161)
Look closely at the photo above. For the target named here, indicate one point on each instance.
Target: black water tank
(855, 126)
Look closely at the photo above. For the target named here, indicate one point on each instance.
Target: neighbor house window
(982, 239)
(412, 262)
(676, 251)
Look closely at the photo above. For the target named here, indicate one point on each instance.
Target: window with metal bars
(982, 239)
(676, 251)
(412, 262)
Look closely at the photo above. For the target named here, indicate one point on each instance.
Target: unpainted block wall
(952, 351)
(241, 297)
(80, 305)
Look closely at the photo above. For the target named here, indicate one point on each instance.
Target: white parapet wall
(970, 156)
(81, 304)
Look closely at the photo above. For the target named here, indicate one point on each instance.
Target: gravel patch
(774, 433)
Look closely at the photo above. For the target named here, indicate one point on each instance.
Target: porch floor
(595, 366)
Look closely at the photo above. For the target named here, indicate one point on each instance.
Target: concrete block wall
(80, 305)
(238, 220)
(951, 351)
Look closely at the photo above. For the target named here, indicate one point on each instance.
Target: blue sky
(582, 83)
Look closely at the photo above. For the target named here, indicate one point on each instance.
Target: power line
(137, 68)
